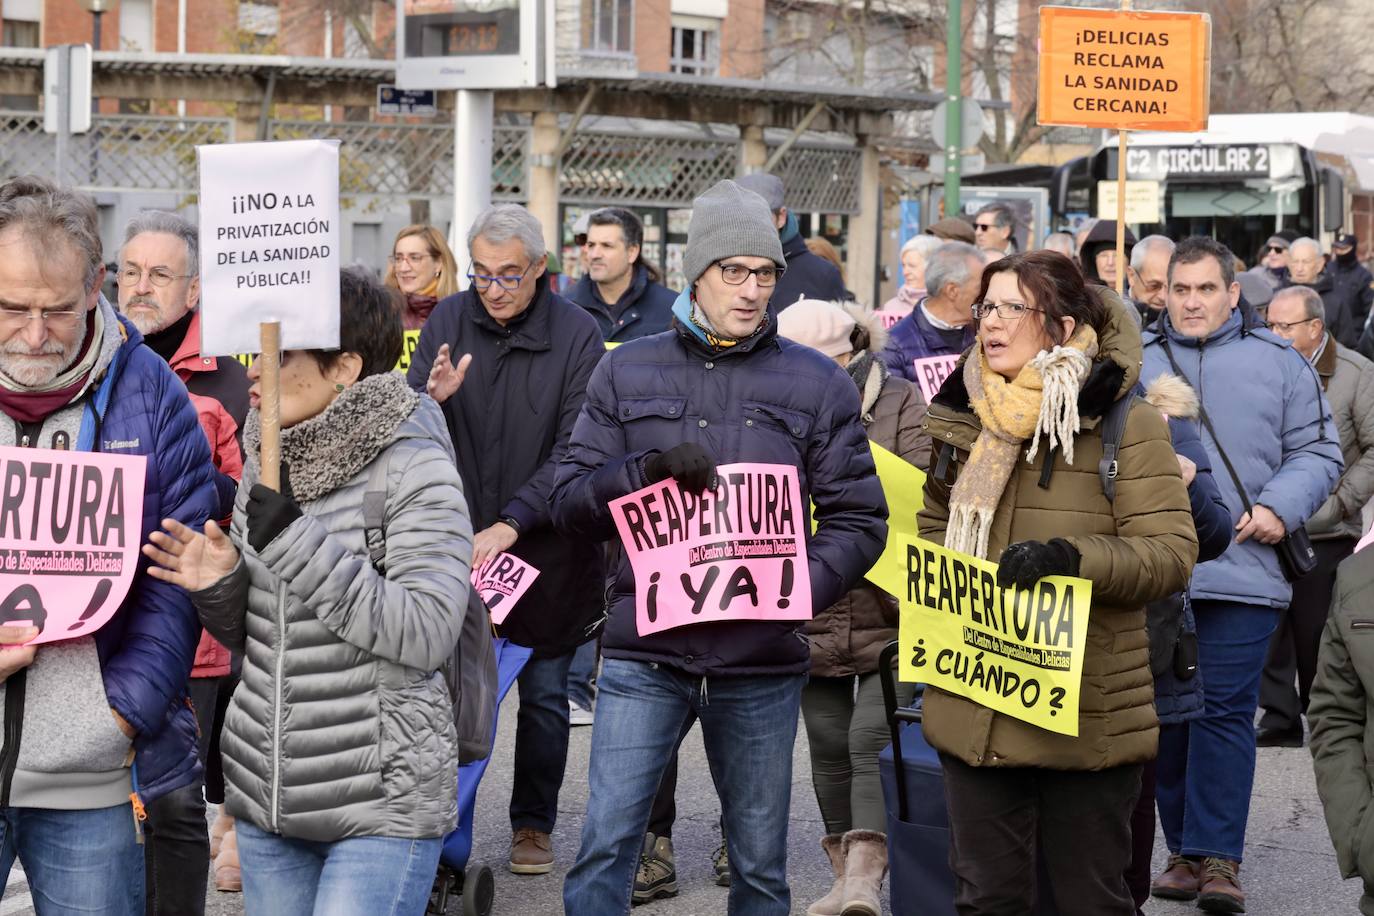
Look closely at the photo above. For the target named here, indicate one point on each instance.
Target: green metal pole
(953, 108)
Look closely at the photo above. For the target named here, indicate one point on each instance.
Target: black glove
(1024, 564)
(270, 513)
(688, 464)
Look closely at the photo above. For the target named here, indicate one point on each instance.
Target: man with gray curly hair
(530, 352)
(95, 726)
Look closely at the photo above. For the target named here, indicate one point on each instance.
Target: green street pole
(953, 108)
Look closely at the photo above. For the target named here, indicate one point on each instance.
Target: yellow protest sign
(1015, 651)
(904, 486)
(411, 340)
(1124, 69)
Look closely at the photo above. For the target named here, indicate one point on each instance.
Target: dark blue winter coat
(510, 423)
(765, 400)
(808, 276)
(147, 647)
(1178, 701)
(645, 308)
(913, 338)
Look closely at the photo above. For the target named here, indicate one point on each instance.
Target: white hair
(1148, 246)
(924, 245)
(952, 262)
(504, 222)
(1306, 242)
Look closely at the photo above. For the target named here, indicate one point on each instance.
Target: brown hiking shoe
(1179, 880)
(531, 852)
(1220, 891)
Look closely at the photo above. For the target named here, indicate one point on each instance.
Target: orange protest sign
(1124, 70)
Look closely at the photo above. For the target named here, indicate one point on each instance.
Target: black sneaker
(656, 876)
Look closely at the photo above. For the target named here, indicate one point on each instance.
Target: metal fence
(120, 152)
(399, 161)
(410, 160)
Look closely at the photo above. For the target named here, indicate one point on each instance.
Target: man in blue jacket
(942, 323)
(620, 290)
(808, 276)
(1277, 432)
(90, 722)
(723, 388)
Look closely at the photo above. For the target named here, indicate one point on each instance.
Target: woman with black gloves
(1015, 479)
(340, 752)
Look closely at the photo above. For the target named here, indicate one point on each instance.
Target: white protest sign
(269, 244)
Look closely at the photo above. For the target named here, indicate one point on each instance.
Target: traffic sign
(67, 87)
(416, 102)
(971, 114)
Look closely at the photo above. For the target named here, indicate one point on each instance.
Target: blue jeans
(541, 742)
(581, 673)
(86, 862)
(366, 876)
(749, 725)
(1207, 766)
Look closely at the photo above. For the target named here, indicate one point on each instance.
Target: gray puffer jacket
(342, 726)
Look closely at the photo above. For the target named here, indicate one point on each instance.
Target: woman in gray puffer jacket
(340, 753)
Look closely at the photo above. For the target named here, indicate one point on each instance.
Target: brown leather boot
(1220, 891)
(865, 866)
(531, 852)
(228, 877)
(831, 903)
(1179, 880)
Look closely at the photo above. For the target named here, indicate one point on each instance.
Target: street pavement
(1289, 870)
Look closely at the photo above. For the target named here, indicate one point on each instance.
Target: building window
(612, 26)
(259, 24)
(19, 33)
(692, 51)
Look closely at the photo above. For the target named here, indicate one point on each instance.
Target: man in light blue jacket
(1270, 418)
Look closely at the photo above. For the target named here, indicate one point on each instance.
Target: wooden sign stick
(1121, 202)
(269, 405)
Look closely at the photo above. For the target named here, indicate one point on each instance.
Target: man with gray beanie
(808, 276)
(723, 388)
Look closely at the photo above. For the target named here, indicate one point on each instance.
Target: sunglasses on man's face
(1274, 249)
(984, 227)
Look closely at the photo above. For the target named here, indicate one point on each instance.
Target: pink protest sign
(70, 529)
(735, 553)
(501, 581)
(931, 373)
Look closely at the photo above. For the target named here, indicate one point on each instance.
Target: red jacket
(219, 393)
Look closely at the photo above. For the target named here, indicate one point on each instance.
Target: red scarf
(418, 307)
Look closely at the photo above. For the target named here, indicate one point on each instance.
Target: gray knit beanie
(729, 221)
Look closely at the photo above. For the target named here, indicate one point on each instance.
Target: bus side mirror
(1333, 200)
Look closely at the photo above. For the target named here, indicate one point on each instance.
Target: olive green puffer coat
(1139, 548)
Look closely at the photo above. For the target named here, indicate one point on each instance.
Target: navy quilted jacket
(766, 400)
(147, 647)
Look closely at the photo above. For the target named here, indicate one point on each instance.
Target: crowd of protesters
(280, 653)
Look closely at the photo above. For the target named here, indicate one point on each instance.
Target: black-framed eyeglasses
(1007, 311)
(984, 227)
(1287, 325)
(508, 283)
(738, 274)
(159, 276)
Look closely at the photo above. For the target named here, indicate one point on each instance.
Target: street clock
(474, 44)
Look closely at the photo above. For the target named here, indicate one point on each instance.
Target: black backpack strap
(1113, 431)
(374, 512)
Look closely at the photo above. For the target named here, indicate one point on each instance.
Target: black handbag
(1296, 556)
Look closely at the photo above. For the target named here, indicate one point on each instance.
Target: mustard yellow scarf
(1043, 398)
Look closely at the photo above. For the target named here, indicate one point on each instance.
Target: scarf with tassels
(1042, 399)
